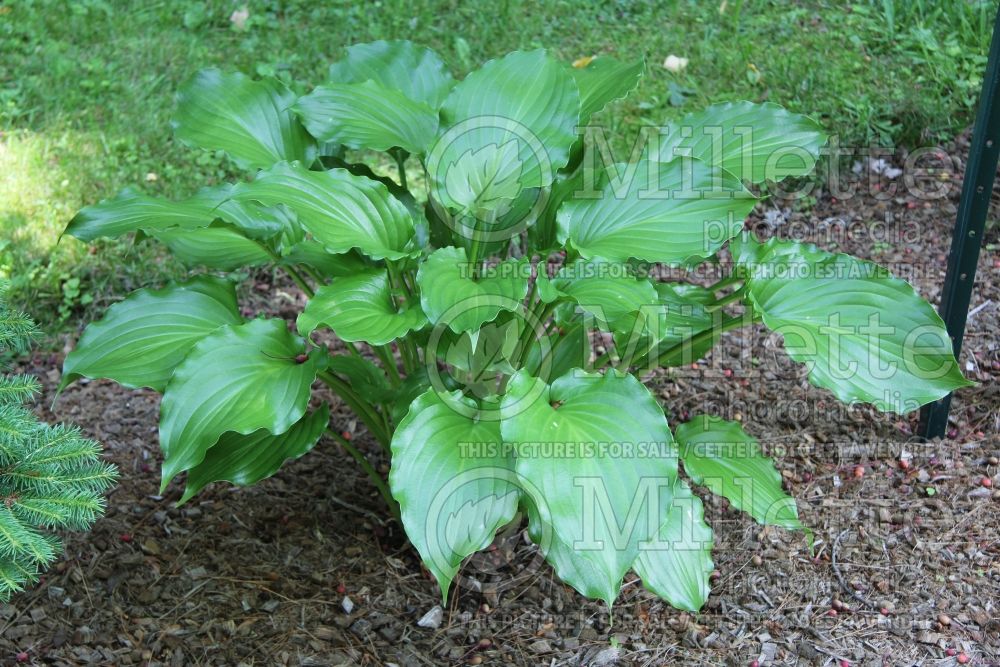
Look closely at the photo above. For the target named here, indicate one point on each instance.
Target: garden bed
(260, 575)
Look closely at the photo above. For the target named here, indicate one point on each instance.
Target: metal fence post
(980, 173)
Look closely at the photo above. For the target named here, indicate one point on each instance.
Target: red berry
(950, 652)
(831, 612)
(859, 471)
(904, 464)
(844, 663)
(125, 537)
(728, 373)
(962, 658)
(301, 358)
(884, 611)
(986, 481)
(341, 589)
(22, 656)
(754, 663)
(346, 435)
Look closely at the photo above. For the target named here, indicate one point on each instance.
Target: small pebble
(432, 619)
(757, 560)
(944, 620)
(859, 471)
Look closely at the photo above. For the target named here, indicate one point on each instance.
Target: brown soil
(259, 575)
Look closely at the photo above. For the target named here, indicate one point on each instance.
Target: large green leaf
(453, 479)
(720, 455)
(450, 295)
(238, 378)
(602, 441)
(140, 340)
(342, 211)
(755, 142)
(131, 211)
(220, 247)
(247, 459)
(864, 335)
(250, 120)
(510, 124)
(603, 80)
(690, 211)
(679, 573)
(415, 71)
(360, 308)
(367, 116)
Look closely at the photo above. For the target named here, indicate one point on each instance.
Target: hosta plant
(481, 291)
(50, 476)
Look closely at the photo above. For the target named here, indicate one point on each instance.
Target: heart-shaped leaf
(360, 308)
(754, 142)
(720, 455)
(679, 572)
(250, 120)
(238, 378)
(140, 340)
(669, 213)
(863, 334)
(453, 479)
(451, 296)
(342, 211)
(415, 71)
(246, 459)
(604, 80)
(525, 104)
(615, 475)
(367, 116)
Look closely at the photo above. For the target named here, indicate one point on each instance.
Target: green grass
(86, 89)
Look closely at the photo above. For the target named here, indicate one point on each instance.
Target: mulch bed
(303, 569)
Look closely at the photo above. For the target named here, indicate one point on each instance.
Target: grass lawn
(86, 89)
